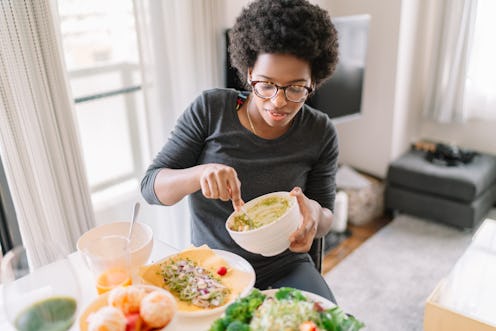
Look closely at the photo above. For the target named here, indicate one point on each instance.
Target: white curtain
(446, 89)
(38, 140)
(480, 93)
(181, 44)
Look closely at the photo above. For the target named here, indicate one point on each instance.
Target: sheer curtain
(181, 44)
(38, 140)
(446, 90)
(480, 100)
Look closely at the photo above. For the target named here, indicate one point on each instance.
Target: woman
(230, 146)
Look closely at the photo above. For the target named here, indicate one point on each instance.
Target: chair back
(316, 252)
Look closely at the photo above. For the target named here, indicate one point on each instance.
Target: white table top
(89, 293)
(470, 287)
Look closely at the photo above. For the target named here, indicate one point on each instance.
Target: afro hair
(293, 27)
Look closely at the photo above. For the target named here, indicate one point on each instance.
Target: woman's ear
(312, 85)
(248, 76)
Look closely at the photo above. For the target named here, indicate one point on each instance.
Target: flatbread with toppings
(199, 278)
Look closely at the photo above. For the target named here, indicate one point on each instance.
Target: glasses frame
(278, 87)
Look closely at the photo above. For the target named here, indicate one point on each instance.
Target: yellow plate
(239, 279)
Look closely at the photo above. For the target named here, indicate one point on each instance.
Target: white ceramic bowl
(141, 239)
(270, 239)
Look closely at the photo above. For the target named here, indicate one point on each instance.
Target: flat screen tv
(341, 95)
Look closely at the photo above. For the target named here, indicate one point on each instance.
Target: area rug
(386, 281)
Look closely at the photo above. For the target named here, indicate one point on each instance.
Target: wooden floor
(359, 234)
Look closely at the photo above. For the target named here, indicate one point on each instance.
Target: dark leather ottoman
(459, 195)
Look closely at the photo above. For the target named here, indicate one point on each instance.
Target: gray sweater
(209, 131)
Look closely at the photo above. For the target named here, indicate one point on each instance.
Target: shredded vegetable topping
(274, 315)
(194, 284)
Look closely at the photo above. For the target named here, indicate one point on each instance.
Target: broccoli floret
(238, 326)
(336, 319)
(288, 293)
(242, 309)
(253, 301)
(218, 325)
(238, 311)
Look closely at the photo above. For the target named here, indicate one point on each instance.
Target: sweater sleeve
(182, 149)
(321, 181)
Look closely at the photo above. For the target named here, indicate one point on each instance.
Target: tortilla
(236, 280)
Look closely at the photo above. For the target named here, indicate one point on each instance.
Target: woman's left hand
(301, 240)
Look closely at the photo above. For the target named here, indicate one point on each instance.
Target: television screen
(341, 95)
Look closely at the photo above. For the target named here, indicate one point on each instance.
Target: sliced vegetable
(308, 326)
(222, 271)
(194, 284)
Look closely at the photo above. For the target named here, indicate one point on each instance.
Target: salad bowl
(266, 223)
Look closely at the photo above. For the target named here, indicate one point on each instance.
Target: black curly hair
(294, 27)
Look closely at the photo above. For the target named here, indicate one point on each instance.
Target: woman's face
(283, 70)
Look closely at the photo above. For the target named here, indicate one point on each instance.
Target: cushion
(463, 183)
(459, 214)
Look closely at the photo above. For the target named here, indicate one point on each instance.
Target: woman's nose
(279, 100)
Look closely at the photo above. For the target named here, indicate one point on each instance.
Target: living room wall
(398, 63)
(392, 97)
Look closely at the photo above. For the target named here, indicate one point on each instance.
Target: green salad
(289, 309)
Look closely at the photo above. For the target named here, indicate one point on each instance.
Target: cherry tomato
(133, 322)
(308, 326)
(222, 271)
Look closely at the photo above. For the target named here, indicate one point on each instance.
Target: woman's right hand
(219, 181)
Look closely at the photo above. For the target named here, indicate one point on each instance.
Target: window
(101, 54)
(480, 95)
(9, 229)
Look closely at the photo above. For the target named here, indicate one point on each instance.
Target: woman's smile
(277, 116)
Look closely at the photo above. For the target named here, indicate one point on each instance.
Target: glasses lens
(296, 93)
(265, 90)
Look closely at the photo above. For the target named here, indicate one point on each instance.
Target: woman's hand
(301, 240)
(219, 181)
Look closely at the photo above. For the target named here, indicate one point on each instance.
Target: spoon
(248, 219)
(135, 215)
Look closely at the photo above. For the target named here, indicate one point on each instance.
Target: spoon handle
(136, 209)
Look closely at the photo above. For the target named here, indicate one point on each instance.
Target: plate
(235, 262)
(101, 301)
(325, 303)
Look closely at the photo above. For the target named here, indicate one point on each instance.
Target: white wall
(478, 135)
(399, 59)
(367, 142)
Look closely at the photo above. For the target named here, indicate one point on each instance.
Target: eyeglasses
(293, 93)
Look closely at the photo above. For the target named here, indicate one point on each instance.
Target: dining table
(89, 293)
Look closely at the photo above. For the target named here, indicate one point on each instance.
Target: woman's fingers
(235, 193)
(301, 240)
(219, 181)
(209, 185)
